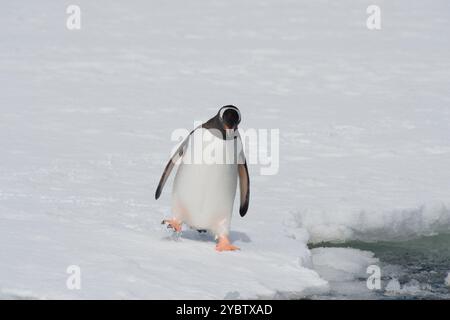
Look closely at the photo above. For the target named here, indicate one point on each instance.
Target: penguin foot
(224, 245)
(172, 224)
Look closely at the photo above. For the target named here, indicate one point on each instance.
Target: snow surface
(346, 271)
(86, 119)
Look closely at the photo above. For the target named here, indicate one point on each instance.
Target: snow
(87, 115)
(119, 261)
(345, 269)
(376, 224)
(342, 263)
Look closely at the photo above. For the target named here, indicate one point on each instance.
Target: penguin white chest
(205, 184)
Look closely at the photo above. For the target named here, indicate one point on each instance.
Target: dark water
(420, 265)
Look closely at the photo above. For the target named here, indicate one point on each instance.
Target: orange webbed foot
(224, 244)
(172, 224)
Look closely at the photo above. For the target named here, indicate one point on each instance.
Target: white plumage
(203, 193)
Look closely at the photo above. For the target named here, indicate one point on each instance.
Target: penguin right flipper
(244, 181)
(244, 186)
(177, 155)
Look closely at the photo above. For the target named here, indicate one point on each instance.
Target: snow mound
(345, 269)
(373, 225)
(120, 262)
(338, 264)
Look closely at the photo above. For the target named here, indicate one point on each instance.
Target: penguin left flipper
(168, 169)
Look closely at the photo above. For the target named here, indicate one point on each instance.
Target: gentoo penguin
(211, 159)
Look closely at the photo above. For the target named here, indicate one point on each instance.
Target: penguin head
(230, 117)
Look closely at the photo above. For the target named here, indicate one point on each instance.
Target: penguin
(204, 191)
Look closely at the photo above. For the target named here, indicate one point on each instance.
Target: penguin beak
(230, 128)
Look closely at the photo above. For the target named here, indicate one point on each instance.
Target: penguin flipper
(168, 169)
(244, 186)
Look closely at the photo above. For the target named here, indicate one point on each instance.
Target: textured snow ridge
(372, 225)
